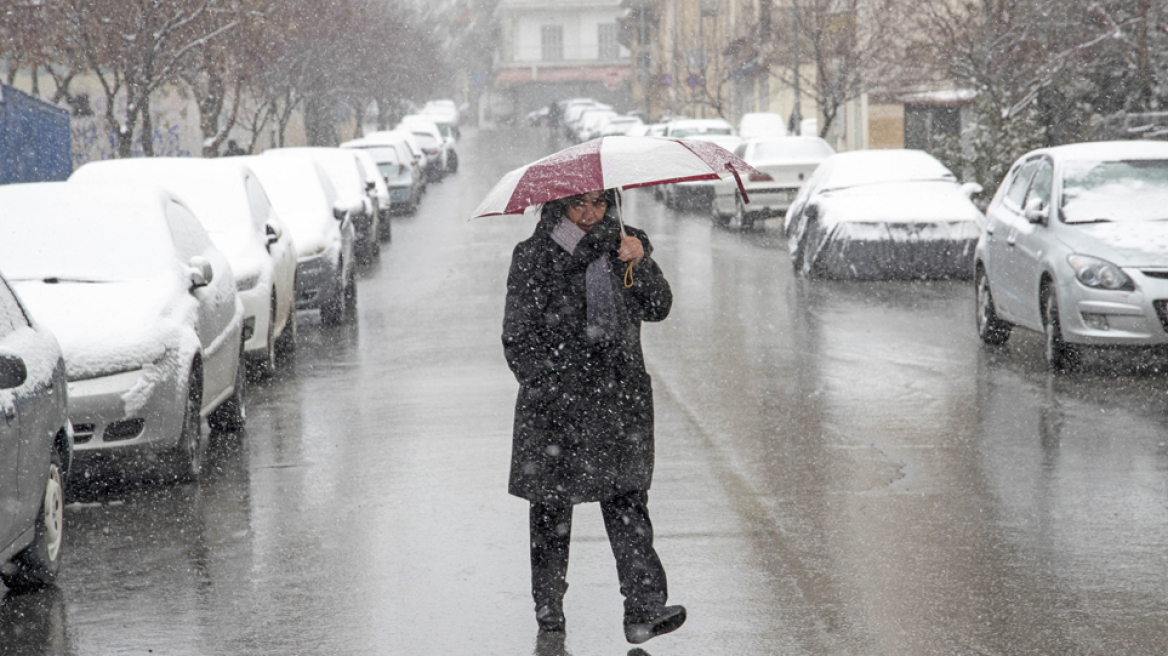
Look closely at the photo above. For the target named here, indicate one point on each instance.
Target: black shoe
(550, 618)
(660, 622)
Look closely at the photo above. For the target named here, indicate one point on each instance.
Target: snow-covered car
(761, 125)
(395, 162)
(429, 137)
(588, 125)
(406, 138)
(447, 125)
(145, 309)
(574, 110)
(697, 194)
(380, 191)
(322, 228)
(1075, 246)
(230, 202)
(36, 448)
(883, 214)
(619, 126)
(353, 187)
(539, 118)
(444, 111)
(783, 164)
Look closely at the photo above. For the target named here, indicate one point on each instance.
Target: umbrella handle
(628, 277)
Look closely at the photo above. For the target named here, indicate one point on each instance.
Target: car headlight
(247, 281)
(1100, 274)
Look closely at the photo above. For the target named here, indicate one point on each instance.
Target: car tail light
(761, 177)
(401, 168)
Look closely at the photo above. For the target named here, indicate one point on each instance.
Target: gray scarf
(598, 284)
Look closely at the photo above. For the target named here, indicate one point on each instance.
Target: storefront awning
(507, 77)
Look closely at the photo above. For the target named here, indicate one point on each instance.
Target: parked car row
(137, 297)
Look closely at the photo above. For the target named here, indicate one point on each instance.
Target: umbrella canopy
(609, 163)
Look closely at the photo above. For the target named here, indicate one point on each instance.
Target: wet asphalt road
(841, 469)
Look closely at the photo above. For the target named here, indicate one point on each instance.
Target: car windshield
(382, 155)
(792, 149)
(1131, 190)
(691, 132)
(444, 129)
(103, 243)
(426, 140)
(881, 167)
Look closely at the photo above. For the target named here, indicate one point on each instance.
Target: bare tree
(215, 70)
(1009, 52)
(133, 48)
(837, 50)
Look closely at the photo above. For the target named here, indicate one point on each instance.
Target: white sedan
(1075, 247)
(230, 202)
(146, 312)
(881, 214)
(697, 194)
(783, 163)
(322, 227)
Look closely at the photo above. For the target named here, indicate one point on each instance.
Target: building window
(552, 42)
(606, 38)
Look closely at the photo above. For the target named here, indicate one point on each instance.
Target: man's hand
(631, 250)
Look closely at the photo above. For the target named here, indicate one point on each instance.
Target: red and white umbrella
(611, 163)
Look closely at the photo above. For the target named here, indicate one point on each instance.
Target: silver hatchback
(1075, 246)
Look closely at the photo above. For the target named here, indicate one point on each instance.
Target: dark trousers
(626, 519)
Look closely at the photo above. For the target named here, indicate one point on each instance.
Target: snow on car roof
(1111, 150)
(339, 163)
(302, 195)
(861, 167)
(213, 189)
(72, 230)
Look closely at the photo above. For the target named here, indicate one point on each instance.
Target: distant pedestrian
(584, 417)
(554, 115)
(233, 149)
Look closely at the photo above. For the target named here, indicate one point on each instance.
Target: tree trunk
(147, 128)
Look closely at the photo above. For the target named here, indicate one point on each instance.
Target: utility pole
(673, 96)
(795, 124)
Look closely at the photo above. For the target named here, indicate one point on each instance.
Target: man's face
(586, 210)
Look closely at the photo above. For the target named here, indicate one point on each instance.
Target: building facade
(549, 50)
(725, 58)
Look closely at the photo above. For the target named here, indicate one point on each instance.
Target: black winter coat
(584, 416)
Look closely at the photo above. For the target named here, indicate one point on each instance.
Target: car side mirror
(1036, 211)
(971, 189)
(811, 212)
(370, 185)
(13, 373)
(201, 273)
(273, 232)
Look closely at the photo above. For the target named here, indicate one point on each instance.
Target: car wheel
(231, 415)
(332, 310)
(350, 302)
(286, 342)
(267, 366)
(185, 461)
(990, 328)
(452, 162)
(800, 254)
(1060, 356)
(721, 220)
(37, 566)
(386, 231)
